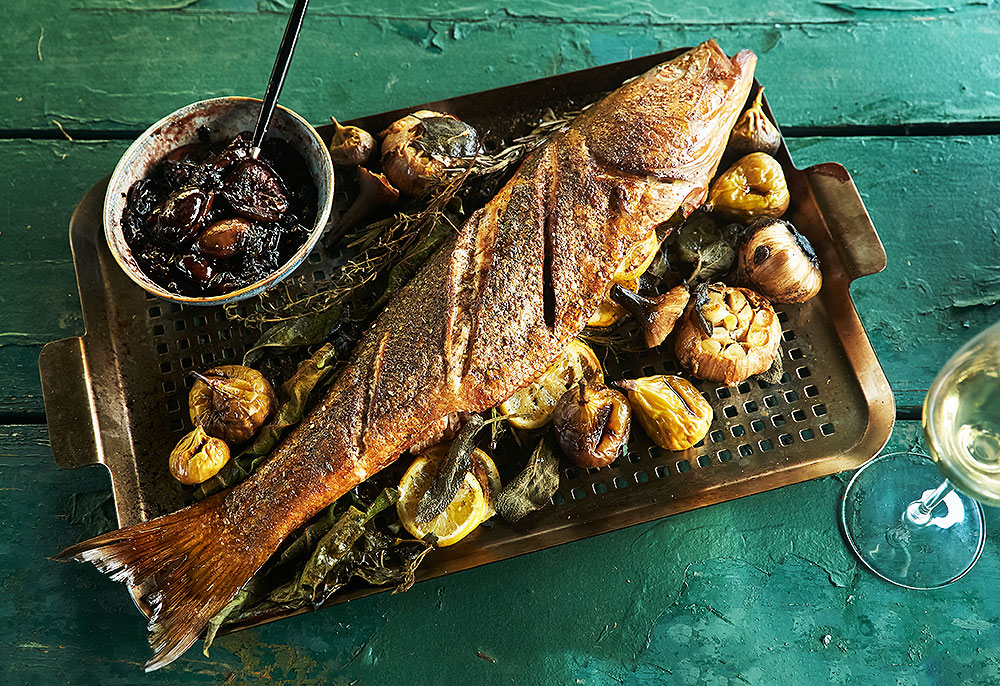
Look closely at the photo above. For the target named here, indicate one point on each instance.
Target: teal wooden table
(904, 93)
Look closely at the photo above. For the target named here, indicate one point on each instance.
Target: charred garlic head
(419, 149)
(779, 262)
(727, 334)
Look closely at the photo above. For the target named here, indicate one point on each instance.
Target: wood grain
(745, 590)
(123, 64)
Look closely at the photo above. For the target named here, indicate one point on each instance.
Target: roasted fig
(231, 402)
(779, 262)
(224, 238)
(350, 145)
(419, 149)
(179, 218)
(754, 132)
(672, 412)
(592, 424)
(375, 194)
(253, 189)
(727, 334)
(198, 457)
(753, 187)
(198, 269)
(658, 315)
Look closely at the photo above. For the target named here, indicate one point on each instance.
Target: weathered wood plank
(727, 592)
(825, 64)
(934, 203)
(38, 294)
(939, 225)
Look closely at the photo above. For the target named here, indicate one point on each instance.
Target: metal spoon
(278, 73)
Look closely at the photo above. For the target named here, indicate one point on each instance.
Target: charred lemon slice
(532, 406)
(638, 259)
(632, 267)
(608, 313)
(468, 509)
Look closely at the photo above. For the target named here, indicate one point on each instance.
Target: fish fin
(194, 567)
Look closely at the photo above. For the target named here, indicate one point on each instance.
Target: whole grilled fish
(488, 313)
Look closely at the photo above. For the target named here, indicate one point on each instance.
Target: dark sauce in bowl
(209, 220)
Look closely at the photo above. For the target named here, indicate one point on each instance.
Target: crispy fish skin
(488, 313)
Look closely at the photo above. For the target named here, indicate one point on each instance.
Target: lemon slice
(532, 406)
(607, 313)
(467, 510)
(638, 259)
(627, 275)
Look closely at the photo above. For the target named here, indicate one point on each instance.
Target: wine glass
(906, 524)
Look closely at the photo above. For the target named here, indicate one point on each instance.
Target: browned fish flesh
(488, 313)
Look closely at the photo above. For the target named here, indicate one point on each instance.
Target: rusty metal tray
(117, 395)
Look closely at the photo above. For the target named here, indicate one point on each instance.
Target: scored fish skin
(488, 313)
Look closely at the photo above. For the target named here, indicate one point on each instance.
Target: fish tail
(193, 565)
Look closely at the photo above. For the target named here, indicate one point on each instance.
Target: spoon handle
(278, 73)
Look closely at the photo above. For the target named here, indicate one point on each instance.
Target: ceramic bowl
(225, 117)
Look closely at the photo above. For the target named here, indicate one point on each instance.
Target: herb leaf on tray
(341, 543)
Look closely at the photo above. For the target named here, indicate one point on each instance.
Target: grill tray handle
(847, 219)
(66, 390)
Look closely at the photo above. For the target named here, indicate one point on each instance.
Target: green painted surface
(742, 592)
(103, 64)
(739, 593)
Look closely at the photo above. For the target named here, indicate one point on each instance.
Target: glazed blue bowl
(226, 117)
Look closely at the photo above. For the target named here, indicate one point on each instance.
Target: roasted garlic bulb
(727, 334)
(753, 187)
(419, 149)
(592, 424)
(672, 412)
(754, 132)
(779, 262)
(658, 315)
(231, 402)
(198, 457)
(350, 145)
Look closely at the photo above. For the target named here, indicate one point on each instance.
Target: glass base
(921, 557)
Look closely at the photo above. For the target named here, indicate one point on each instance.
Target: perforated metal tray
(117, 395)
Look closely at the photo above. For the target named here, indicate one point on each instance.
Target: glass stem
(919, 511)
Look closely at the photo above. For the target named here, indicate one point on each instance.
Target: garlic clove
(779, 262)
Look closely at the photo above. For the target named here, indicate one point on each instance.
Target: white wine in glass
(905, 523)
